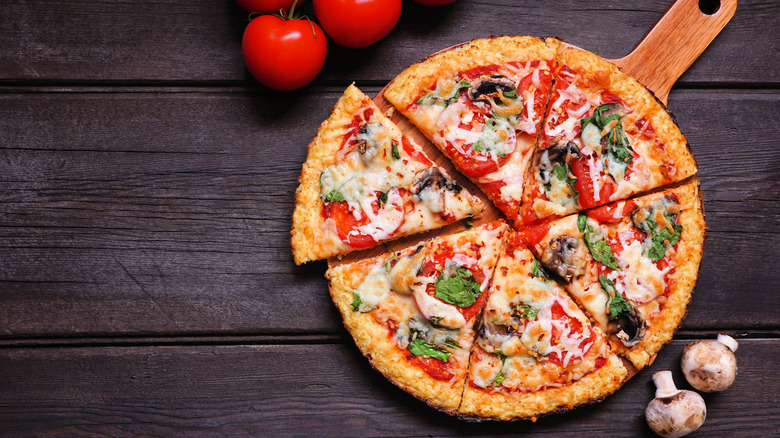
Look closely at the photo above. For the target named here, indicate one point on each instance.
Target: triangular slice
(364, 182)
(605, 138)
(632, 264)
(535, 352)
(482, 103)
(412, 313)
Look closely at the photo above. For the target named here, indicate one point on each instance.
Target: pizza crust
(687, 258)
(511, 405)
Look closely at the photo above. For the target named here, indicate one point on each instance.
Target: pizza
(535, 350)
(605, 138)
(364, 182)
(631, 265)
(482, 105)
(412, 312)
(590, 281)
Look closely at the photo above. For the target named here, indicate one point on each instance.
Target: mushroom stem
(728, 341)
(664, 384)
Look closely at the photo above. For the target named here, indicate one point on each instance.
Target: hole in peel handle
(671, 46)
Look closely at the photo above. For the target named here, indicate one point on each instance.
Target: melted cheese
(640, 280)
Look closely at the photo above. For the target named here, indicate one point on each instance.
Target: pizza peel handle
(672, 45)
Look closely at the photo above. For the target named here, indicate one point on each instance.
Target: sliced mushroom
(565, 256)
(404, 274)
(560, 153)
(489, 86)
(628, 326)
(430, 186)
(612, 108)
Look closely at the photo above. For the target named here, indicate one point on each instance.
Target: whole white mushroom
(674, 412)
(710, 365)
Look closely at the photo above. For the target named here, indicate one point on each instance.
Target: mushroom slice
(489, 86)
(612, 108)
(561, 152)
(566, 257)
(628, 326)
(430, 186)
(404, 274)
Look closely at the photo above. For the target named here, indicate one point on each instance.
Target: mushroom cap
(709, 365)
(677, 415)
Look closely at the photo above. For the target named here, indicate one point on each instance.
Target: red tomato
(267, 6)
(434, 2)
(584, 185)
(345, 223)
(284, 54)
(606, 214)
(357, 23)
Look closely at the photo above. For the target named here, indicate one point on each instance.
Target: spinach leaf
(617, 303)
(461, 289)
(525, 311)
(396, 154)
(334, 195)
(599, 249)
(658, 249)
(420, 348)
(499, 379)
(356, 302)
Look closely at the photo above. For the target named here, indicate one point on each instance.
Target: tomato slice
(435, 368)
(584, 185)
(470, 162)
(533, 235)
(414, 153)
(390, 217)
(607, 214)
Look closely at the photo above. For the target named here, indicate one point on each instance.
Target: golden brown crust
(512, 405)
(607, 76)
(687, 259)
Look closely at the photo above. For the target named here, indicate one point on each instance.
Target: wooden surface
(146, 190)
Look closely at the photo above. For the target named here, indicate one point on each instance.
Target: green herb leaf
(535, 268)
(453, 344)
(512, 94)
(468, 222)
(499, 379)
(420, 348)
(617, 303)
(525, 311)
(601, 252)
(356, 302)
(582, 222)
(658, 249)
(477, 146)
(396, 154)
(461, 289)
(334, 195)
(382, 198)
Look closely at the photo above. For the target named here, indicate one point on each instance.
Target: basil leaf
(617, 303)
(601, 252)
(582, 221)
(396, 154)
(356, 302)
(460, 289)
(499, 379)
(658, 249)
(512, 94)
(535, 268)
(420, 348)
(453, 344)
(334, 195)
(525, 311)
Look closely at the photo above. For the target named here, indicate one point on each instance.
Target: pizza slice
(605, 138)
(535, 351)
(412, 313)
(364, 182)
(632, 264)
(482, 103)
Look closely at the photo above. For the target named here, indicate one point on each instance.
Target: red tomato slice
(393, 211)
(584, 185)
(533, 235)
(606, 214)
(435, 368)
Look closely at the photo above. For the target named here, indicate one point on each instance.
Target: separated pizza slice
(482, 103)
(632, 264)
(535, 352)
(364, 182)
(605, 138)
(412, 313)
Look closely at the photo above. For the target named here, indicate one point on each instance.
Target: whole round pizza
(580, 235)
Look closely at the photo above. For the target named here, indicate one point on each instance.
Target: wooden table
(146, 190)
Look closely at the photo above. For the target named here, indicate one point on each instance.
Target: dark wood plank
(323, 390)
(201, 40)
(116, 221)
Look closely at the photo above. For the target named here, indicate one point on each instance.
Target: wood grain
(116, 220)
(674, 43)
(324, 390)
(186, 41)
